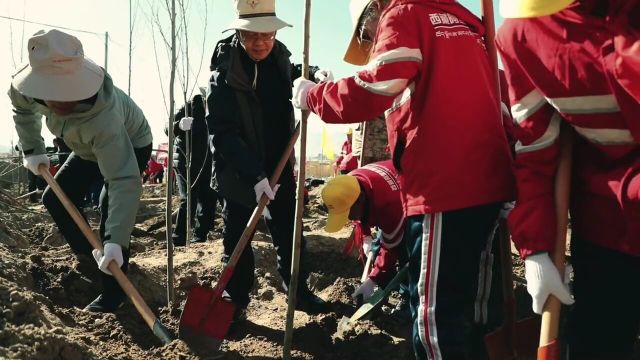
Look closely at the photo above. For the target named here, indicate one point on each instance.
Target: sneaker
(105, 304)
(310, 303)
(197, 239)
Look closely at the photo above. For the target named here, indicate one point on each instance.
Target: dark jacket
(200, 152)
(249, 128)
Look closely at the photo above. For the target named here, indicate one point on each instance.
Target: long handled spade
(549, 348)
(379, 296)
(207, 316)
(152, 321)
(513, 339)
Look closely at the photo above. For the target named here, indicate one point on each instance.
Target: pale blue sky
(330, 32)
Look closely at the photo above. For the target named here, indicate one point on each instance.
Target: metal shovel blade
(377, 298)
(205, 319)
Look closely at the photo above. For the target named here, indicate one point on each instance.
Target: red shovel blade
(205, 319)
(551, 351)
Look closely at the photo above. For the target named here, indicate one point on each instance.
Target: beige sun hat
(257, 16)
(356, 53)
(57, 69)
(531, 8)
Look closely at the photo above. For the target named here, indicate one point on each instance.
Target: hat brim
(513, 9)
(356, 53)
(258, 24)
(336, 221)
(79, 85)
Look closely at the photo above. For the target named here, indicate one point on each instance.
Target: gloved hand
(110, 252)
(366, 244)
(543, 279)
(32, 162)
(365, 289)
(263, 187)
(185, 123)
(301, 87)
(323, 75)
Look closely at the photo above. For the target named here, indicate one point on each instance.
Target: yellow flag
(327, 145)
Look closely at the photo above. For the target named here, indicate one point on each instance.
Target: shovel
(207, 316)
(549, 348)
(378, 297)
(514, 339)
(152, 321)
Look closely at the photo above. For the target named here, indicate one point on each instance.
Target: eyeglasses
(250, 36)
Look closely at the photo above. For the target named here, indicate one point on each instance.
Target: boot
(110, 300)
(112, 296)
(310, 303)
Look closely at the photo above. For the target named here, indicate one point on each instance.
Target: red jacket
(347, 161)
(379, 181)
(429, 73)
(558, 70)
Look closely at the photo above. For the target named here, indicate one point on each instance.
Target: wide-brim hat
(339, 195)
(357, 54)
(57, 69)
(531, 8)
(256, 16)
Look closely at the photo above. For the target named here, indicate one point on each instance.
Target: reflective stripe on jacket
(429, 73)
(555, 66)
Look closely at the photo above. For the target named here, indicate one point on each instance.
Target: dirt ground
(43, 288)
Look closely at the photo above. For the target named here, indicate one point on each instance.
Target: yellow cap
(531, 8)
(357, 54)
(349, 131)
(339, 194)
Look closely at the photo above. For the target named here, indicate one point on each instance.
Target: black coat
(249, 127)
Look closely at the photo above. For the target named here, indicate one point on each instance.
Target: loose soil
(43, 288)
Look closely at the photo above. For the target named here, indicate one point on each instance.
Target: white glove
(103, 258)
(323, 75)
(262, 187)
(543, 279)
(185, 123)
(32, 162)
(366, 244)
(365, 289)
(301, 87)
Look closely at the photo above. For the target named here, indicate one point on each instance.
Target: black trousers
(605, 319)
(203, 199)
(75, 177)
(451, 263)
(236, 217)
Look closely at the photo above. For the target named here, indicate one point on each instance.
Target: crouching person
(370, 195)
(107, 133)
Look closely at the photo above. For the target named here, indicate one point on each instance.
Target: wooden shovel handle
(551, 310)
(247, 234)
(122, 279)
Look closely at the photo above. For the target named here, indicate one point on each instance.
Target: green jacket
(106, 133)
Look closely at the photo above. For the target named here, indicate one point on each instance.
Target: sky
(329, 35)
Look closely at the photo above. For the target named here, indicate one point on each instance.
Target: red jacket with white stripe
(381, 186)
(557, 71)
(430, 74)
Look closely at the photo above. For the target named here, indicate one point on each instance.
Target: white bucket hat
(257, 16)
(356, 53)
(57, 69)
